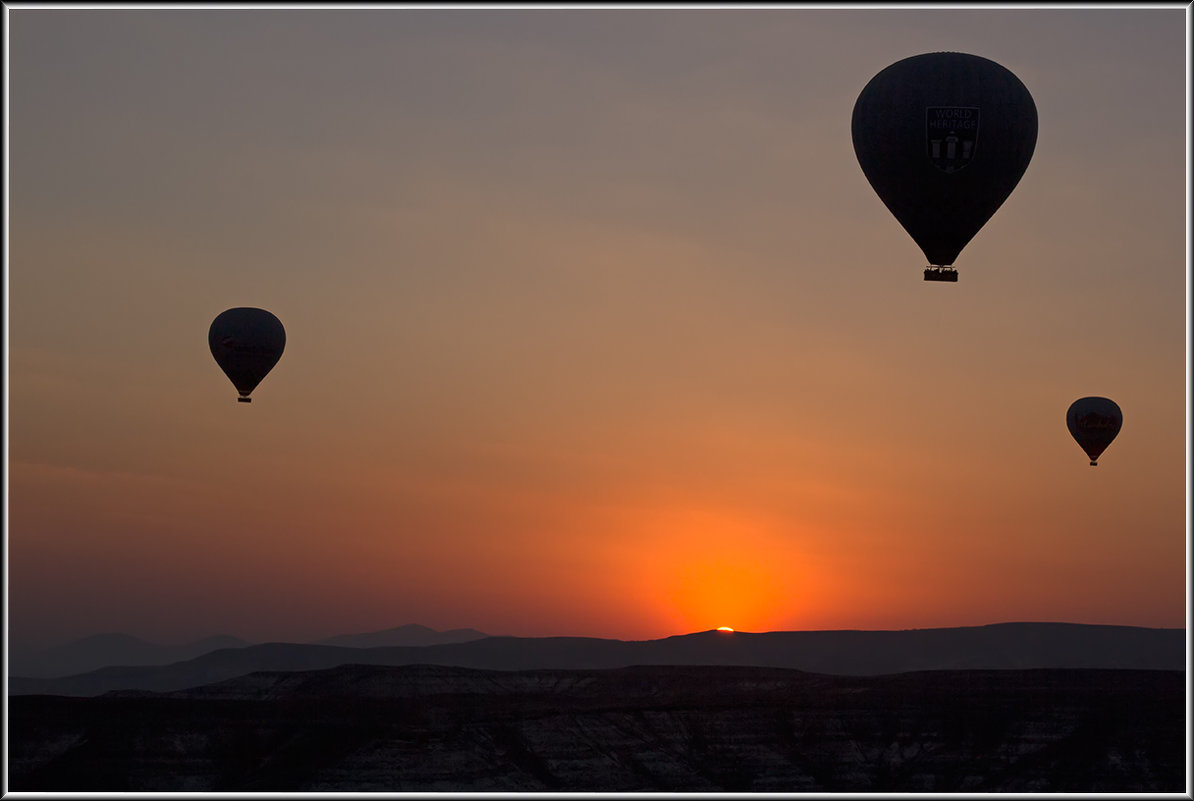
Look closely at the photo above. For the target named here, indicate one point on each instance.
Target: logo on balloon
(1093, 421)
(951, 136)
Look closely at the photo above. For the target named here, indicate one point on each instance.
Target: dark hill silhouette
(998, 646)
(115, 649)
(101, 650)
(411, 634)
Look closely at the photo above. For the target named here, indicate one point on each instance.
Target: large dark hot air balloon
(943, 139)
(246, 343)
(1094, 422)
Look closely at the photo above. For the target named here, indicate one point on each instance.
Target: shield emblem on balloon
(951, 136)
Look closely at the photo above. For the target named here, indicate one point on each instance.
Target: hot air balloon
(1094, 422)
(943, 138)
(246, 343)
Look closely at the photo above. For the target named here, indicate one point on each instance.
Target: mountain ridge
(839, 652)
(112, 649)
(410, 634)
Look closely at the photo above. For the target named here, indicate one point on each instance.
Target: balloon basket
(244, 400)
(941, 274)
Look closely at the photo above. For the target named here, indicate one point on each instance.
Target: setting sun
(724, 628)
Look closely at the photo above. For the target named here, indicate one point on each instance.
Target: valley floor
(677, 729)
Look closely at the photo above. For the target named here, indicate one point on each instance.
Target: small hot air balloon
(246, 343)
(943, 138)
(1094, 422)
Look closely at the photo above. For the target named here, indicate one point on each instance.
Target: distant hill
(411, 634)
(102, 650)
(124, 650)
(861, 653)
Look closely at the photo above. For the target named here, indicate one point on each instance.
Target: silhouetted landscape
(1031, 707)
(100, 650)
(412, 634)
(656, 728)
(999, 646)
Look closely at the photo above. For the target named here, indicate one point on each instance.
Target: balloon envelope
(246, 343)
(943, 138)
(1094, 422)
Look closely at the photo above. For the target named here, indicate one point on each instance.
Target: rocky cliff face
(682, 729)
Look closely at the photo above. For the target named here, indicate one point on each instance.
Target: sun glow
(724, 628)
(693, 579)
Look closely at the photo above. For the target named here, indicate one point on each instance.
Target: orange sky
(594, 326)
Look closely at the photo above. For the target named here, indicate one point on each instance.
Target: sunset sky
(594, 326)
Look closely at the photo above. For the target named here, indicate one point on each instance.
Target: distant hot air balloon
(943, 139)
(246, 343)
(1094, 422)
